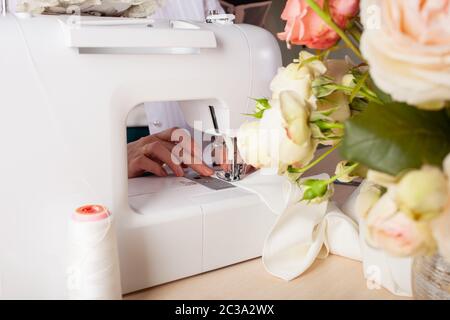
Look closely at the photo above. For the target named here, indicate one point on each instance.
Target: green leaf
(327, 125)
(395, 137)
(358, 104)
(383, 96)
(261, 106)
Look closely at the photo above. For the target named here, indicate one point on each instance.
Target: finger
(194, 155)
(159, 151)
(249, 169)
(181, 137)
(168, 134)
(189, 152)
(148, 165)
(168, 145)
(202, 169)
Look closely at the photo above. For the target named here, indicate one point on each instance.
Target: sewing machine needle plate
(209, 182)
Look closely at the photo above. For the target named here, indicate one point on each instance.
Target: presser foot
(233, 175)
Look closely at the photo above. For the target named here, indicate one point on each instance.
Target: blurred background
(267, 14)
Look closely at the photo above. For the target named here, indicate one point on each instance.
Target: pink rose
(407, 45)
(390, 229)
(343, 10)
(305, 27)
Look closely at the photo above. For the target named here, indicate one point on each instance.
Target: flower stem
(365, 94)
(358, 86)
(315, 162)
(355, 32)
(329, 21)
(325, 125)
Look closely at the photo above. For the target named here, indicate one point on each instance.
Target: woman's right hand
(151, 153)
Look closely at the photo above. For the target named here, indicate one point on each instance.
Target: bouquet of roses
(388, 113)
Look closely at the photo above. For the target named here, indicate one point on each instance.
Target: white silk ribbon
(302, 232)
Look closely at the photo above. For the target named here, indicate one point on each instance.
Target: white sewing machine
(66, 88)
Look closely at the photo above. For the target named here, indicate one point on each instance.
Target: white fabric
(380, 269)
(302, 232)
(168, 114)
(306, 232)
(275, 191)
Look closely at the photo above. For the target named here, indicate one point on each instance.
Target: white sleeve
(164, 115)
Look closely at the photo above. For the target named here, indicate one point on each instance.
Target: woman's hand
(151, 153)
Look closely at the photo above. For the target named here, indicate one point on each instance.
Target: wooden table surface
(332, 278)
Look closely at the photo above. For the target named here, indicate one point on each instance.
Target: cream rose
(407, 45)
(424, 192)
(298, 77)
(381, 178)
(413, 216)
(395, 231)
(369, 195)
(336, 70)
(282, 137)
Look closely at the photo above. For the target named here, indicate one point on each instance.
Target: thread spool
(93, 263)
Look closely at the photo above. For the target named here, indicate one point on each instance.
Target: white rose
(298, 79)
(369, 194)
(336, 69)
(282, 137)
(414, 215)
(380, 178)
(251, 145)
(407, 45)
(423, 191)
